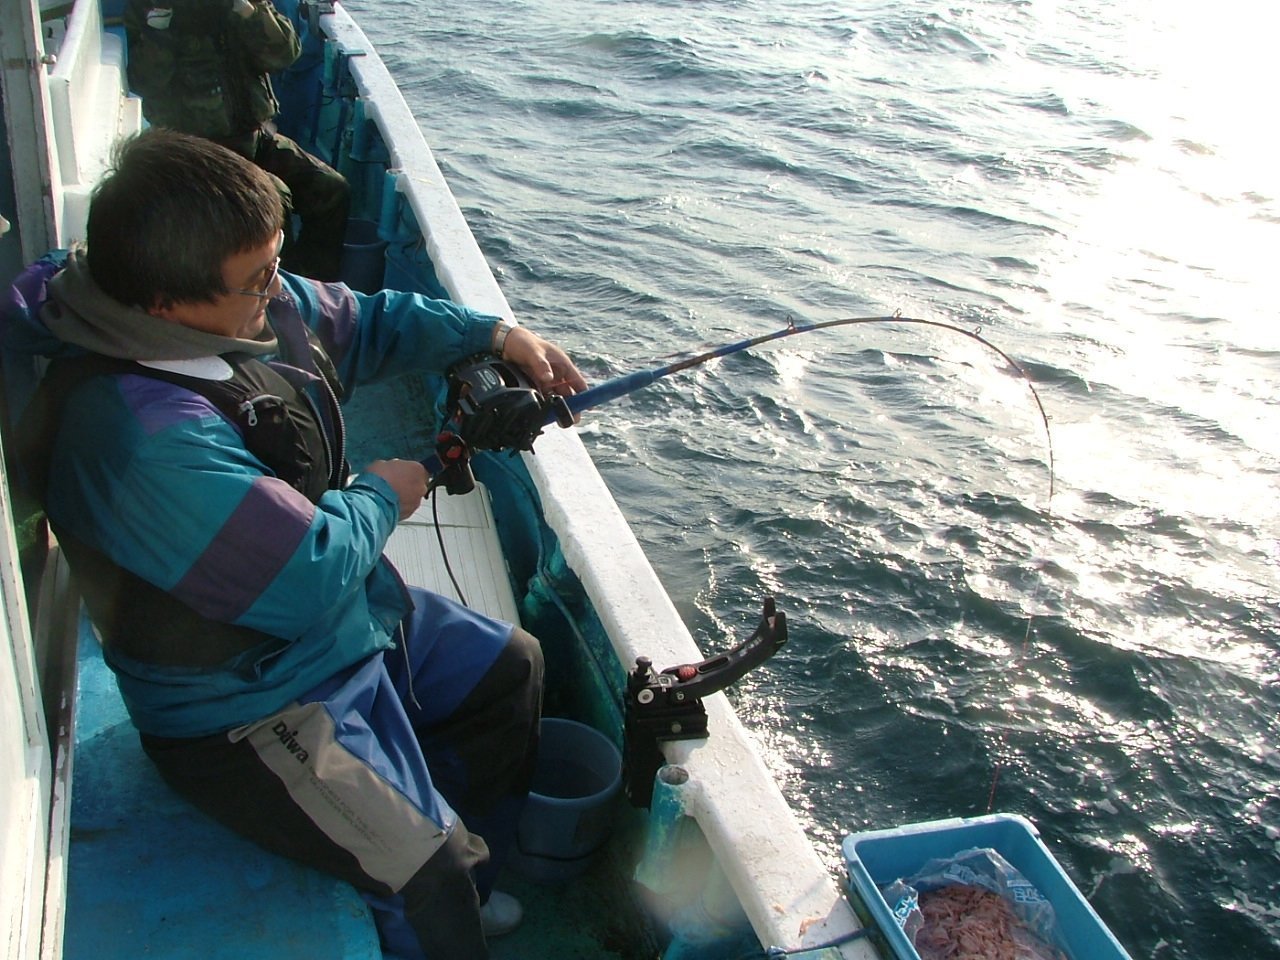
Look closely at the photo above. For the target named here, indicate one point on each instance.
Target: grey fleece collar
(79, 313)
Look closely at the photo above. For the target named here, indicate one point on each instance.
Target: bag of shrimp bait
(974, 903)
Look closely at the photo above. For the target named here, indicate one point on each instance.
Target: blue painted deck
(149, 876)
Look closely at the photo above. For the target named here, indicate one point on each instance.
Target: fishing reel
(667, 705)
(491, 405)
(497, 407)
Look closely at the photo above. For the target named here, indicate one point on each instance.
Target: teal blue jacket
(157, 479)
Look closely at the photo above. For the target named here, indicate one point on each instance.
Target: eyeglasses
(264, 292)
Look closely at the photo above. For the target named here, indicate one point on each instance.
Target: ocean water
(1093, 186)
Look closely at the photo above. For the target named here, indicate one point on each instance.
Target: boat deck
(471, 545)
(150, 876)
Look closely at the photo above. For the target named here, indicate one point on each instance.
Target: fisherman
(187, 446)
(201, 67)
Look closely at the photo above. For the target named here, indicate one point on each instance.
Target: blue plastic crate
(876, 858)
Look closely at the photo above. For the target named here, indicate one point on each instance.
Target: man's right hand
(408, 478)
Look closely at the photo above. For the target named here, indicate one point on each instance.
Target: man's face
(252, 279)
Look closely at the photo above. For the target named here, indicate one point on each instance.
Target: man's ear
(163, 308)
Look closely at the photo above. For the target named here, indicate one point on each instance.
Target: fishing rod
(496, 407)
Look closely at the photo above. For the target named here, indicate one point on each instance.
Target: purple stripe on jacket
(249, 551)
(338, 315)
(157, 404)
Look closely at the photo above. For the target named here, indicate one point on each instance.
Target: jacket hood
(78, 313)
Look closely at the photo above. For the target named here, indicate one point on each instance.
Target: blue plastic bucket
(364, 260)
(569, 813)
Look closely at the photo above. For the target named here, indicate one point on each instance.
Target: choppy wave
(654, 177)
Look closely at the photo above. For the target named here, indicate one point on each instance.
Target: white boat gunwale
(786, 891)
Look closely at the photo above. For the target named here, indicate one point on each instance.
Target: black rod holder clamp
(667, 705)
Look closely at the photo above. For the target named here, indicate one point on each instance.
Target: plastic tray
(878, 857)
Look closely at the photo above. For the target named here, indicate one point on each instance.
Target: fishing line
(998, 767)
(627, 383)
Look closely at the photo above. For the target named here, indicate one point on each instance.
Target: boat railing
(89, 110)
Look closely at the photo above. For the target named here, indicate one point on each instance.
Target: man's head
(171, 213)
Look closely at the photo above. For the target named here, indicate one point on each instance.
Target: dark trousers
(361, 778)
(313, 191)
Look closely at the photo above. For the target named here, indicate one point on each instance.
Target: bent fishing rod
(496, 407)
(493, 405)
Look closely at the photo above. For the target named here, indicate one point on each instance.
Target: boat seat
(148, 875)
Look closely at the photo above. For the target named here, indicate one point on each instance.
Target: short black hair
(170, 212)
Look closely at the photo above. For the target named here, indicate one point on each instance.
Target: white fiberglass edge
(787, 893)
(25, 767)
(90, 110)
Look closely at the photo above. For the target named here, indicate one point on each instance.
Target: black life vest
(280, 425)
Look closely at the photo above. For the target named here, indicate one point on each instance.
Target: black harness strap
(280, 427)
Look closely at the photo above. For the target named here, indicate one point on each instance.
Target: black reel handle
(450, 465)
